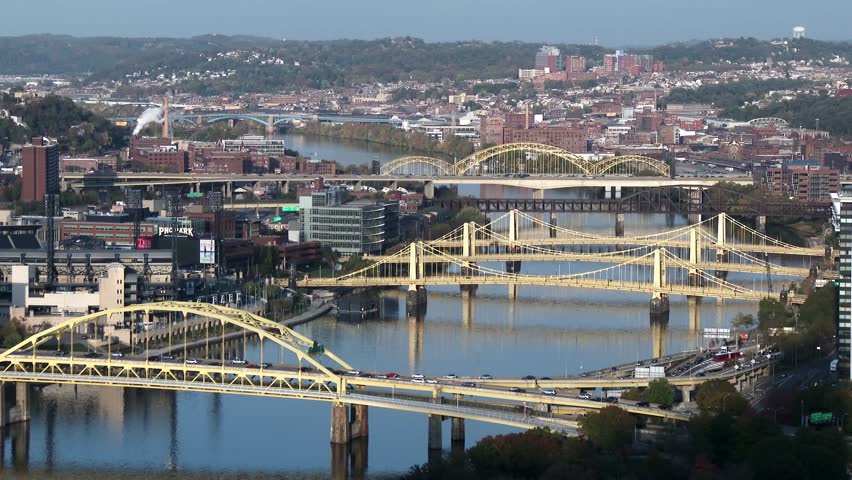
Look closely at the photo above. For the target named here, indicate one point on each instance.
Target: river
(125, 434)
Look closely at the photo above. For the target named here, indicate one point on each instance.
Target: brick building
(566, 137)
(803, 183)
(40, 170)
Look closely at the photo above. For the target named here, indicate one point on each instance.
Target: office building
(805, 183)
(844, 299)
(40, 170)
(254, 143)
(548, 57)
(351, 228)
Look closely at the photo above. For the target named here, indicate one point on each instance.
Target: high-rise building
(844, 299)
(548, 57)
(351, 228)
(40, 170)
(575, 64)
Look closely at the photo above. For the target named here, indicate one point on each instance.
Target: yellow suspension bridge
(79, 352)
(654, 267)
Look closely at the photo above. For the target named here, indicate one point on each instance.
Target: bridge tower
(659, 309)
(695, 279)
(415, 299)
(468, 252)
(721, 239)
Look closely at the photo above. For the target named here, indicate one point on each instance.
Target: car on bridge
(528, 377)
(548, 391)
(517, 390)
(191, 361)
(584, 396)
(486, 376)
(469, 384)
(451, 376)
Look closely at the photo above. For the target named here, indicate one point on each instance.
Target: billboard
(207, 252)
(143, 243)
(650, 372)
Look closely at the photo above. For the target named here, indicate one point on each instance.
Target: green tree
(771, 314)
(519, 455)
(659, 391)
(469, 214)
(743, 321)
(610, 428)
(719, 396)
(634, 394)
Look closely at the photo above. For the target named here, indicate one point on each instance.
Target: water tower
(798, 32)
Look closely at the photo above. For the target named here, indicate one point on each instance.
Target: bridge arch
(302, 347)
(631, 164)
(417, 165)
(249, 118)
(522, 157)
(766, 121)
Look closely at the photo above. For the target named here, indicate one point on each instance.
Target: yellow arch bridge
(526, 158)
(210, 343)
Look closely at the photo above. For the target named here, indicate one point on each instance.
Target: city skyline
(637, 23)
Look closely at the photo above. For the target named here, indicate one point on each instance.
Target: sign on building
(717, 332)
(207, 252)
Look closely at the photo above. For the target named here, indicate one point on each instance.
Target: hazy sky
(614, 22)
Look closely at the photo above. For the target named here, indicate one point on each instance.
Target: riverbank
(415, 142)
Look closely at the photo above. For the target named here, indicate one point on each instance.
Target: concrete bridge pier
(270, 125)
(552, 229)
(659, 313)
(284, 187)
(694, 304)
(359, 425)
(619, 224)
(457, 431)
(231, 123)
(340, 426)
(686, 392)
(513, 293)
(695, 206)
(436, 434)
(760, 223)
(468, 310)
(429, 190)
(415, 300)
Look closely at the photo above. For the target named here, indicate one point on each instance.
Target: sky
(613, 22)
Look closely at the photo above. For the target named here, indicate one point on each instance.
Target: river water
(123, 434)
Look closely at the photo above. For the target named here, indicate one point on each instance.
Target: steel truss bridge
(196, 333)
(672, 199)
(526, 158)
(685, 261)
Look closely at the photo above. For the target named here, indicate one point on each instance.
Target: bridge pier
(340, 433)
(415, 300)
(284, 188)
(457, 431)
(552, 229)
(359, 425)
(619, 224)
(694, 206)
(760, 223)
(694, 312)
(659, 313)
(429, 190)
(270, 125)
(513, 292)
(468, 310)
(687, 393)
(436, 434)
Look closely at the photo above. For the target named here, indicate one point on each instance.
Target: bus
(832, 367)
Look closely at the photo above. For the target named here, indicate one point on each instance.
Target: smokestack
(166, 117)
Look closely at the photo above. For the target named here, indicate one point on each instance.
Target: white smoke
(151, 115)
